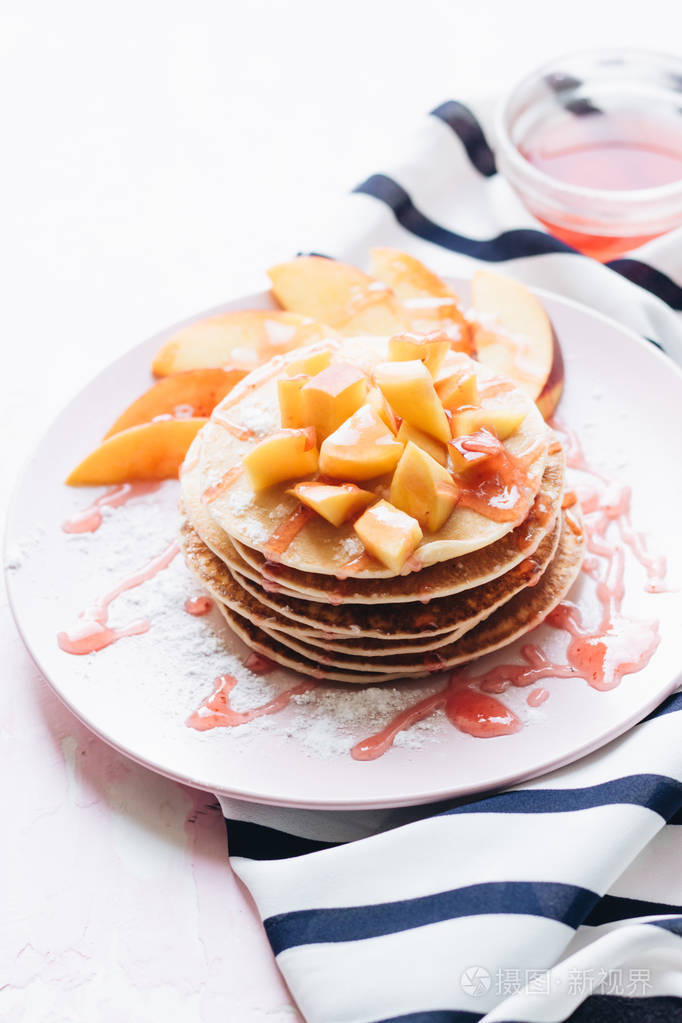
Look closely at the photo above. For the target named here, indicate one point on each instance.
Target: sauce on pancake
(501, 489)
(223, 484)
(287, 531)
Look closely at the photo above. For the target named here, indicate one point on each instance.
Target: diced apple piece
(459, 387)
(388, 534)
(376, 399)
(501, 420)
(332, 396)
(336, 293)
(433, 447)
(473, 449)
(291, 401)
(515, 338)
(431, 349)
(335, 503)
(192, 394)
(408, 388)
(311, 364)
(286, 455)
(361, 448)
(150, 451)
(242, 338)
(423, 488)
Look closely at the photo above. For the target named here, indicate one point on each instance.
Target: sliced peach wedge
(150, 451)
(286, 455)
(339, 294)
(422, 488)
(332, 396)
(515, 337)
(337, 503)
(431, 349)
(388, 534)
(242, 338)
(363, 447)
(192, 394)
(427, 302)
(408, 388)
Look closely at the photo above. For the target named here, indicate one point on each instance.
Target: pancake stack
(304, 592)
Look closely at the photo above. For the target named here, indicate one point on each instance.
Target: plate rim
(256, 300)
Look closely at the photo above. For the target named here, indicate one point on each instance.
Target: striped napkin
(562, 897)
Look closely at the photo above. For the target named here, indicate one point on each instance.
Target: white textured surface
(156, 157)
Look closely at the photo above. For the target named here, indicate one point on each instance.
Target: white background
(155, 159)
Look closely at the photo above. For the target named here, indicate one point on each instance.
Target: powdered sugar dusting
(174, 665)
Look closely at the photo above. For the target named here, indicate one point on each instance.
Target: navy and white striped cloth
(562, 897)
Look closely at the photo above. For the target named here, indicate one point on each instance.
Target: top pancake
(251, 518)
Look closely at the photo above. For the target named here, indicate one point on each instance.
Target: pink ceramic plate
(622, 398)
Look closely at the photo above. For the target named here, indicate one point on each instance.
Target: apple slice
(242, 338)
(338, 294)
(428, 303)
(408, 433)
(290, 400)
(192, 394)
(150, 451)
(363, 447)
(423, 488)
(515, 336)
(332, 396)
(431, 349)
(388, 534)
(473, 449)
(286, 455)
(335, 503)
(408, 388)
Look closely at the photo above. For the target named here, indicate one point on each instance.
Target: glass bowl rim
(521, 165)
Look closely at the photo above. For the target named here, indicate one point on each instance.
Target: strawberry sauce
(90, 518)
(500, 489)
(287, 531)
(93, 632)
(216, 710)
(240, 432)
(223, 484)
(601, 655)
(198, 606)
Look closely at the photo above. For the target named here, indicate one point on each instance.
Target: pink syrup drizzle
(93, 632)
(601, 656)
(89, 519)
(258, 664)
(198, 606)
(216, 710)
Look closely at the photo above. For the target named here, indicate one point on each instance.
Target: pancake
(250, 519)
(300, 594)
(458, 614)
(515, 618)
(389, 659)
